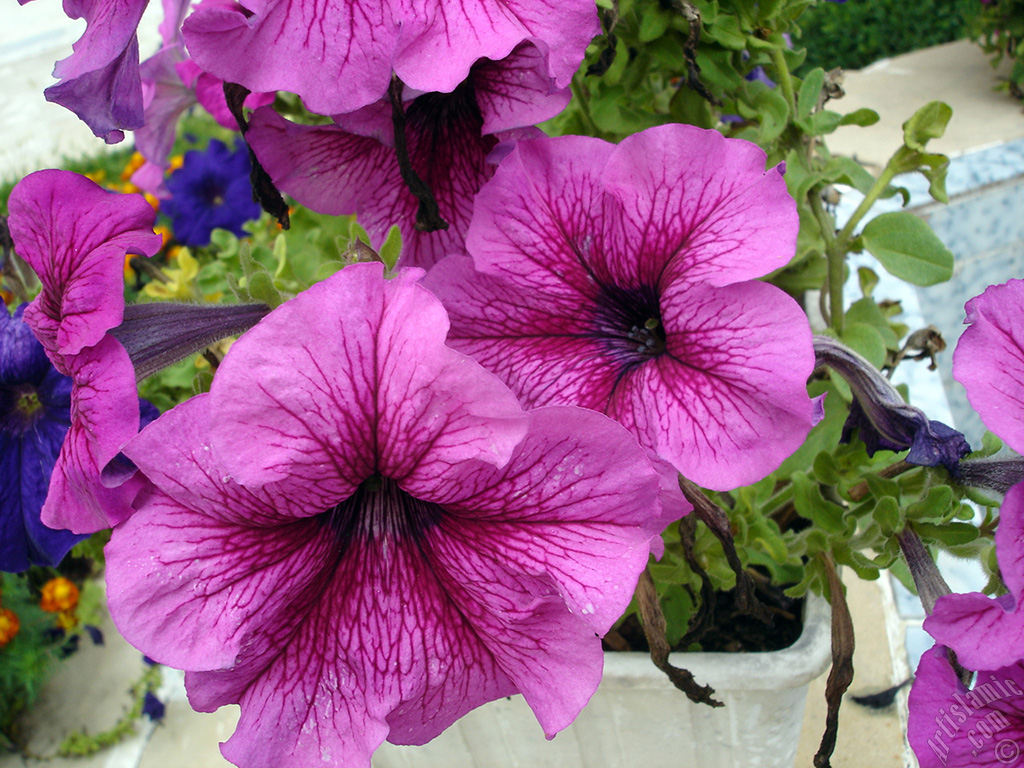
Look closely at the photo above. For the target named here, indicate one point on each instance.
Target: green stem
(884, 178)
(584, 109)
(785, 78)
(837, 248)
(835, 260)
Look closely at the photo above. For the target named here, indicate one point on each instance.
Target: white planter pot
(637, 718)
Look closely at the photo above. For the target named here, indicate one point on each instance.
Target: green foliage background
(854, 34)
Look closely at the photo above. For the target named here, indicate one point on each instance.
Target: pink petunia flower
(351, 166)
(620, 278)
(340, 55)
(953, 726)
(358, 535)
(985, 632)
(75, 235)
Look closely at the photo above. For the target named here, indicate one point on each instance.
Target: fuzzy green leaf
(929, 122)
(908, 248)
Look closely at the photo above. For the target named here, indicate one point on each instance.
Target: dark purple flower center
(380, 511)
(212, 192)
(629, 320)
(20, 408)
(438, 114)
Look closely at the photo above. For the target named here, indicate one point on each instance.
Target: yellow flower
(134, 163)
(164, 232)
(59, 594)
(180, 280)
(129, 271)
(9, 626)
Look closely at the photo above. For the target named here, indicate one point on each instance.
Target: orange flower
(9, 626)
(59, 594)
(134, 163)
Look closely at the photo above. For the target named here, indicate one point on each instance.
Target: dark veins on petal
(440, 125)
(378, 512)
(629, 321)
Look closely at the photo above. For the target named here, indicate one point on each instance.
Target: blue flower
(211, 190)
(35, 405)
(153, 708)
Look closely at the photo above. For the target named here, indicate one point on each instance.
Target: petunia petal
(75, 235)
(338, 53)
(707, 206)
(100, 81)
(104, 416)
(342, 54)
(989, 360)
(951, 726)
(369, 383)
(732, 382)
(541, 219)
(986, 633)
(733, 378)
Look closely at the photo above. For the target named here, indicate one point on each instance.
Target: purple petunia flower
(351, 167)
(75, 235)
(883, 419)
(35, 412)
(986, 633)
(620, 278)
(210, 190)
(100, 81)
(952, 726)
(153, 708)
(339, 55)
(358, 535)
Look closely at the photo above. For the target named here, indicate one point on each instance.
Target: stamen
(629, 319)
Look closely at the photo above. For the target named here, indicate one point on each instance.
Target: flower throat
(380, 511)
(629, 319)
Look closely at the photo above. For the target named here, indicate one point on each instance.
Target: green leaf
(846, 170)
(774, 113)
(862, 117)
(653, 23)
(866, 341)
(868, 279)
(725, 31)
(887, 515)
(811, 504)
(825, 468)
(949, 534)
(908, 248)
(800, 178)
(824, 122)
(810, 91)
(882, 486)
(929, 122)
(391, 248)
(261, 288)
(867, 311)
(936, 505)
